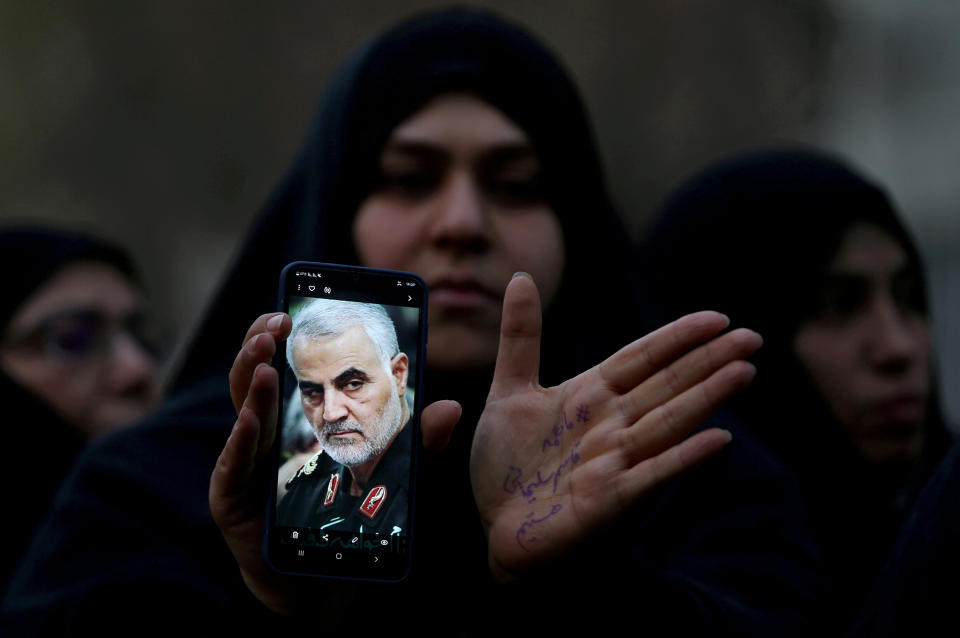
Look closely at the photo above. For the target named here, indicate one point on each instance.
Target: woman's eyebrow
(426, 150)
(514, 152)
(423, 151)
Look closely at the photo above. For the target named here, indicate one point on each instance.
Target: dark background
(165, 125)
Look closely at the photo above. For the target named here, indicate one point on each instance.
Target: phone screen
(348, 425)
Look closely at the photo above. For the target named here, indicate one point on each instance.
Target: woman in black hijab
(66, 374)
(812, 255)
(698, 552)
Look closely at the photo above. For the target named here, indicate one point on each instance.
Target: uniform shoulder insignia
(332, 486)
(306, 469)
(374, 501)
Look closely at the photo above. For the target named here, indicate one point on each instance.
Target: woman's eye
(74, 339)
(515, 192)
(413, 184)
(907, 294)
(842, 298)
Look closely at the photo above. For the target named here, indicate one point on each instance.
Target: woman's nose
(894, 338)
(132, 367)
(460, 220)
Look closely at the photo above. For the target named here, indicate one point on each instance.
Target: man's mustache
(339, 427)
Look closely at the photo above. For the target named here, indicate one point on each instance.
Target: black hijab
(310, 215)
(752, 235)
(31, 255)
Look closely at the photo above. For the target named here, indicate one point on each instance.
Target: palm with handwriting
(550, 466)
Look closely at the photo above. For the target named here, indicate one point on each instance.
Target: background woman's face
(459, 202)
(75, 343)
(868, 348)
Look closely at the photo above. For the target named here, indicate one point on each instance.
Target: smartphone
(341, 503)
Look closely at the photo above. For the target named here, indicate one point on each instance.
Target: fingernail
(729, 435)
(274, 323)
(520, 273)
(726, 319)
(252, 344)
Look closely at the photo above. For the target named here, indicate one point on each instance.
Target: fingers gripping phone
(348, 425)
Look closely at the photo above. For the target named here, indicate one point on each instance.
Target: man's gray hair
(323, 318)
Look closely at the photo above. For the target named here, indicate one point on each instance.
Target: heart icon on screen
(312, 288)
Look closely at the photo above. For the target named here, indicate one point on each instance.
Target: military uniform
(318, 495)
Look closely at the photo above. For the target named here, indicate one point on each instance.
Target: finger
(669, 464)
(672, 422)
(437, 422)
(234, 469)
(690, 369)
(259, 347)
(262, 400)
(634, 363)
(518, 358)
(276, 323)
(256, 349)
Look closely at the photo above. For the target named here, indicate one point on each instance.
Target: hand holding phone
(237, 488)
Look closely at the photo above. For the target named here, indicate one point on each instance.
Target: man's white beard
(375, 439)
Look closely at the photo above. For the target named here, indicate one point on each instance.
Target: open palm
(550, 466)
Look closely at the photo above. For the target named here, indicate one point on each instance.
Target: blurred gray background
(165, 125)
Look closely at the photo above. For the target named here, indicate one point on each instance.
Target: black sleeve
(130, 545)
(916, 592)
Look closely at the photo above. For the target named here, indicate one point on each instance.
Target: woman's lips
(906, 410)
(461, 295)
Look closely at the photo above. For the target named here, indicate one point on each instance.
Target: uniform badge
(374, 501)
(310, 465)
(332, 487)
(305, 470)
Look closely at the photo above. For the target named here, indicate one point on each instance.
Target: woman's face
(868, 348)
(459, 202)
(74, 344)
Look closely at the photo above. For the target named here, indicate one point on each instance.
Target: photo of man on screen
(352, 379)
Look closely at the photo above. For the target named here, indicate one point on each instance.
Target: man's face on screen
(349, 397)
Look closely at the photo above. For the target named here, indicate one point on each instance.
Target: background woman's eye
(907, 294)
(842, 298)
(76, 339)
(76, 334)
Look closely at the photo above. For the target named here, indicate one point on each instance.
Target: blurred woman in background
(75, 332)
(77, 359)
(797, 245)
